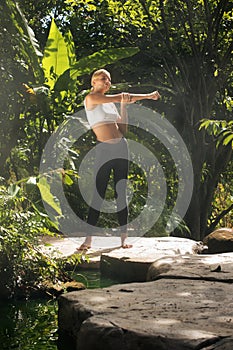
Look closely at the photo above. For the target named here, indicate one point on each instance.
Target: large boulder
(220, 241)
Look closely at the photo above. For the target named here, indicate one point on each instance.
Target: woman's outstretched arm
(96, 98)
(138, 97)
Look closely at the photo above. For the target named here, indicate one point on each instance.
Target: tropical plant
(222, 130)
(47, 94)
(26, 267)
(222, 207)
(19, 62)
(20, 228)
(222, 204)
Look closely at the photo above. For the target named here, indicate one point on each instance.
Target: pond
(32, 324)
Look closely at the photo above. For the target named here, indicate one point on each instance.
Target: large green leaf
(55, 60)
(47, 196)
(87, 64)
(100, 59)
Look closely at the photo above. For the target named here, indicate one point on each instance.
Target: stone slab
(217, 267)
(167, 314)
(134, 267)
(145, 249)
(214, 267)
(131, 265)
(124, 269)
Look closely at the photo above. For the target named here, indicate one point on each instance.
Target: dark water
(32, 325)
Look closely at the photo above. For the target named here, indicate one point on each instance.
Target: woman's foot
(126, 246)
(85, 245)
(123, 244)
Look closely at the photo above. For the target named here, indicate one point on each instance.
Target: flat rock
(131, 265)
(172, 314)
(145, 249)
(216, 267)
(188, 305)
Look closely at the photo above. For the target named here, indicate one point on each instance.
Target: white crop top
(102, 113)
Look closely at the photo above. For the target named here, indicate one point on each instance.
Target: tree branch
(218, 17)
(217, 220)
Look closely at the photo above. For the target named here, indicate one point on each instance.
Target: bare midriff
(107, 132)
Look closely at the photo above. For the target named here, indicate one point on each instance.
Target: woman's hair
(99, 72)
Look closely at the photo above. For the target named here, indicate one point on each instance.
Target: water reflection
(32, 324)
(28, 325)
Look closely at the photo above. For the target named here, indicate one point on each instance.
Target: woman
(109, 128)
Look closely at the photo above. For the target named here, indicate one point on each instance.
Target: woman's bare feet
(123, 244)
(87, 243)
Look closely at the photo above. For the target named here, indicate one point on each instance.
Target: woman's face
(102, 82)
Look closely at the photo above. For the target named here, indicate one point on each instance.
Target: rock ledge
(186, 305)
(165, 314)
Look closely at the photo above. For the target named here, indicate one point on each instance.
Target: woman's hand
(154, 95)
(131, 98)
(125, 97)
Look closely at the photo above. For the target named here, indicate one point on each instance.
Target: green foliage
(47, 196)
(222, 130)
(222, 203)
(24, 267)
(27, 48)
(19, 61)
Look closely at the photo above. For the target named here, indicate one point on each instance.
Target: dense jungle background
(48, 49)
